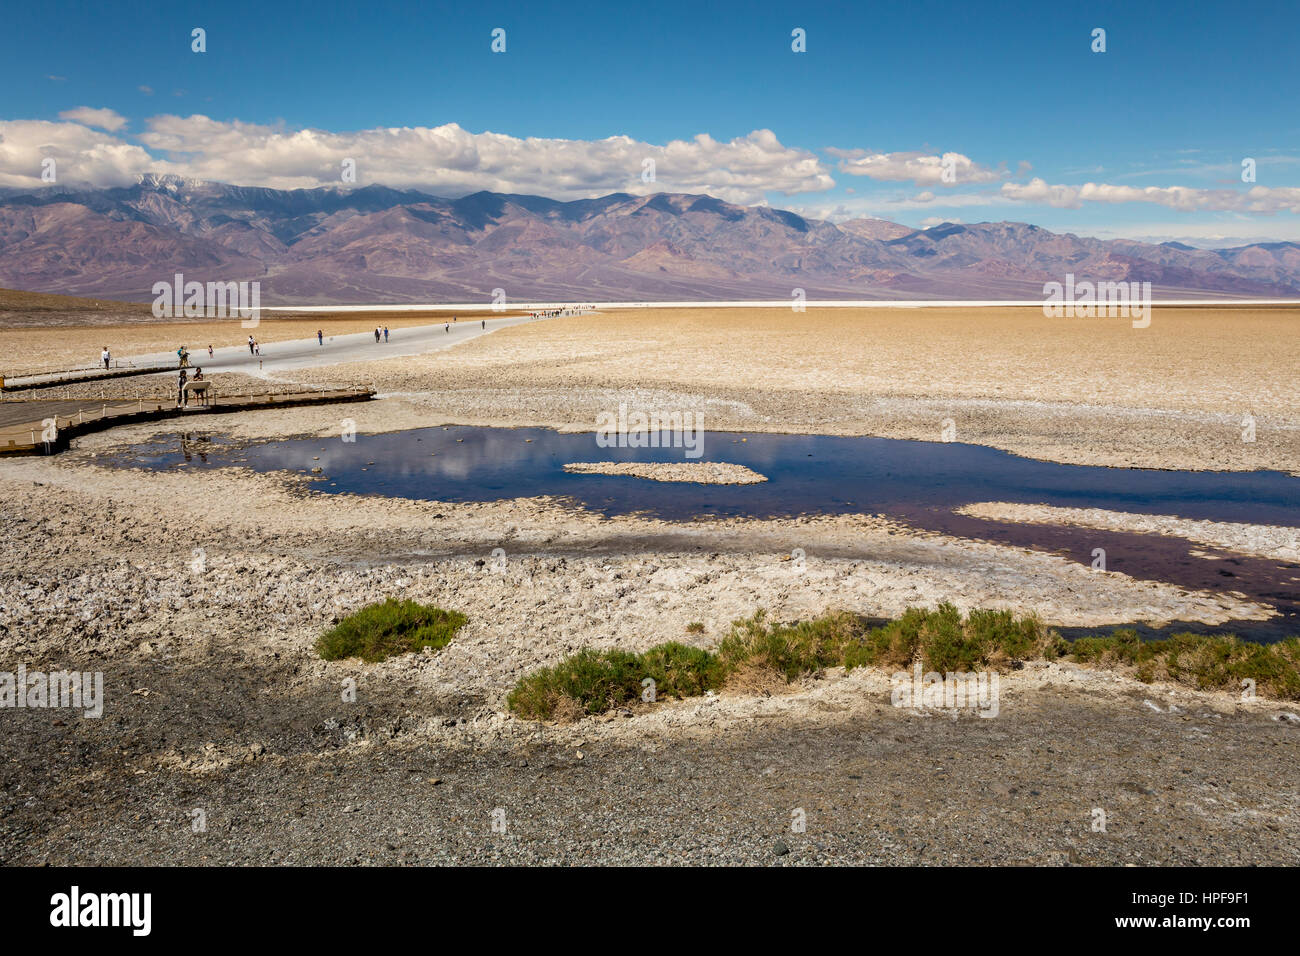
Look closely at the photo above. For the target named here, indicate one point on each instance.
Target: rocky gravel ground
(1065, 775)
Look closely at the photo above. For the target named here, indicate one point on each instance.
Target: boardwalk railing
(22, 383)
(46, 435)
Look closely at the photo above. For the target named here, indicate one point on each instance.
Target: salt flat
(1084, 391)
(214, 690)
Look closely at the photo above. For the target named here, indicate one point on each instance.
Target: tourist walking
(376, 335)
(320, 336)
(250, 345)
(385, 333)
(105, 356)
(180, 390)
(209, 351)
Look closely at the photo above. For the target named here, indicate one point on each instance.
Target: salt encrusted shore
(1265, 541)
(199, 596)
(699, 472)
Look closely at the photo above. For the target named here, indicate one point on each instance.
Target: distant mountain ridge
(374, 244)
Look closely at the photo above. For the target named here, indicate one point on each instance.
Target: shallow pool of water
(917, 482)
(807, 474)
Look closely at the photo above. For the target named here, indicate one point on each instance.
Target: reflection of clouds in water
(437, 455)
(806, 473)
(520, 459)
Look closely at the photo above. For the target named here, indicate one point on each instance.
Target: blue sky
(858, 125)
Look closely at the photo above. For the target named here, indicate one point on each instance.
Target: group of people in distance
(567, 310)
(255, 348)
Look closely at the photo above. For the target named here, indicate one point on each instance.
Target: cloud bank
(446, 160)
(1257, 199)
(91, 146)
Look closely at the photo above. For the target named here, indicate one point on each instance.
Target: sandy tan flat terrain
(1095, 391)
(1089, 391)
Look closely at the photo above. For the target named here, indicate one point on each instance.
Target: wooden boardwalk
(43, 427)
(17, 383)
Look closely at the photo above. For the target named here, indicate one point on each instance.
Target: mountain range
(337, 245)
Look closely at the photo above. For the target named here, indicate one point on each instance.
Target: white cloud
(919, 168)
(929, 200)
(449, 160)
(1238, 231)
(91, 146)
(445, 160)
(929, 221)
(833, 212)
(1257, 199)
(100, 118)
(80, 154)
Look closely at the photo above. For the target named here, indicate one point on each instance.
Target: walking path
(287, 355)
(41, 427)
(20, 383)
(337, 349)
(25, 425)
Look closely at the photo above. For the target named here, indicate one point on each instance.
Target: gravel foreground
(883, 786)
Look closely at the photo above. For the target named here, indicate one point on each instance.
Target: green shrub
(596, 680)
(940, 638)
(944, 641)
(391, 627)
(680, 670)
(790, 650)
(599, 681)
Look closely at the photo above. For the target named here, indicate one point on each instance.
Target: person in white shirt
(105, 356)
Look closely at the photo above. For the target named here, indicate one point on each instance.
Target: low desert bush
(379, 631)
(758, 654)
